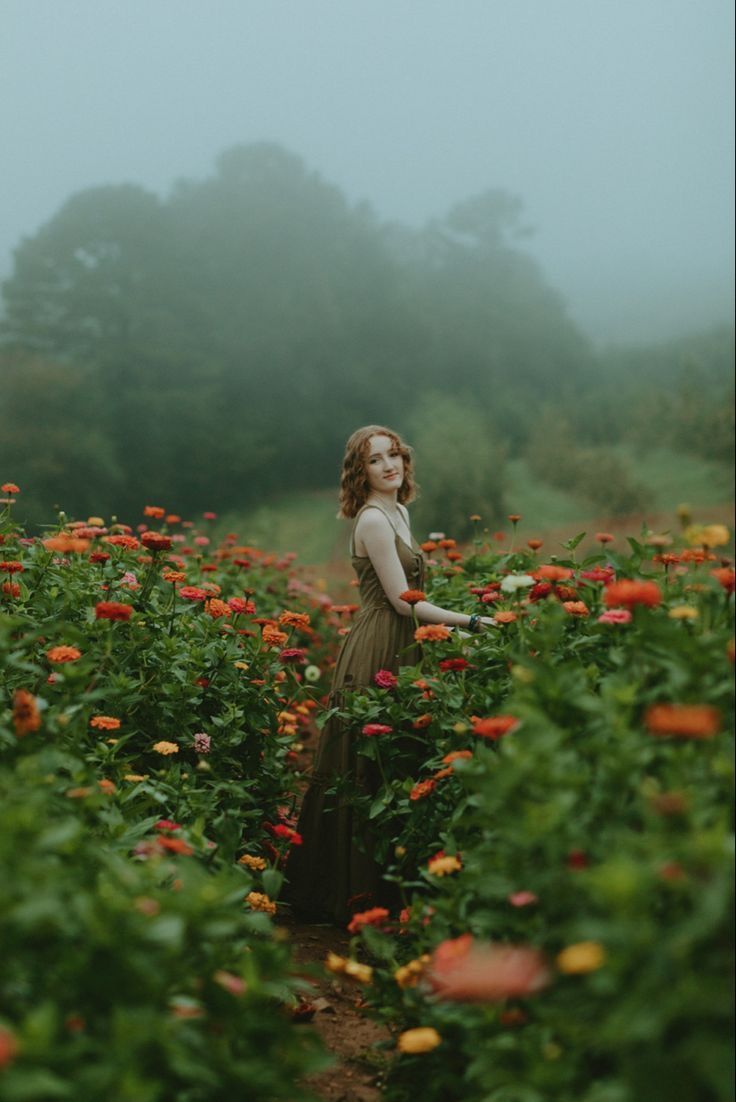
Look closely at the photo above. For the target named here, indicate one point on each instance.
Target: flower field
(555, 812)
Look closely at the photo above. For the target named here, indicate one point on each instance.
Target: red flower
(281, 830)
(240, 605)
(155, 541)
(10, 488)
(113, 610)
(599, 574)
(412, 596)
(99, 556)
(175, 845)
(193, 593)
(454, 664)
(153, 511)
(166, 824)
(577, 859)
(628, 593)
(385, 679)
(373, 917)
(12, 567)
(377, 729)
(293, 656)
(727, 578)
(494, 727)
(698, 721)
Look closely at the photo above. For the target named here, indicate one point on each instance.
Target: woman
(331, 873)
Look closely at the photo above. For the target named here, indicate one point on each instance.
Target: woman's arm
(379, 539)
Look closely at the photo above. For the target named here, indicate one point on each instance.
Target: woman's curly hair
(354, 487)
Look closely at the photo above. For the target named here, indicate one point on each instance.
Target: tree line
(215, 348)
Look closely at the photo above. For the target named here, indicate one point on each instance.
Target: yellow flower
(683, 612)
(135, 777)
(343, 966)
(252, 862)
(241, 665)
(707, 535)
(423, 1039)
(257, 901)
(441, 866)
(408, 974)
(166, 748)
(584, 956)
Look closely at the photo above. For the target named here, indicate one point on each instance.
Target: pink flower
(615, 616)
(522, 899)
(292, 656)
(377, 729)
(202, 742)
(488, 973)
(385, 679)
(240, 605)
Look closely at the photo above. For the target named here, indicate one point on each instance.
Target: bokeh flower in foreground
(698, 721)
(488, 972)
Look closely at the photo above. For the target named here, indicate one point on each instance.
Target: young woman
(333, 873)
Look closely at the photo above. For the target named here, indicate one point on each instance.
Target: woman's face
(384, 465)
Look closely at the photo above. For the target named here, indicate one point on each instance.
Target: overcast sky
(612, 119)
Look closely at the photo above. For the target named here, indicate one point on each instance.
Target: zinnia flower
(422, 789)
(412, 596)
(257, 864)
(113, 610)
(443, 865)
(240, 606)
(156, 542)
(202, 743)
(615, 616)
(551, 572)
(130, 543)
(419, 1040)
(63, 654)
(375, 916)
(292, 656)
(294, 619)
(512, 582)
(494, 727)
(576, 608)
(432, 633)
(385, 679)
(522, 899)
(165, 748)
(153, 511)
(216, 608)
(192, 593)
(488, 973)
(10, 488)
(505, 616)
(105, 723)
(698, 721)
(12, 566)
(454, 664)
(726, 577)
(272, 637)
(371, 729)
(629, 592)
(26, 716)
(352, 969)
(584, 956)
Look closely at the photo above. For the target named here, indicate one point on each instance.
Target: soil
(334, 1008)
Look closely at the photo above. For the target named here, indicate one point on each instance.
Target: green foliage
(580, 826)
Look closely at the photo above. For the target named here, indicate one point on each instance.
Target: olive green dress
(332, 873)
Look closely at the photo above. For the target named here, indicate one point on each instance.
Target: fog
(611, 119)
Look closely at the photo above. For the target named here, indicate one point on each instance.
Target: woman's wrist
(474, 622)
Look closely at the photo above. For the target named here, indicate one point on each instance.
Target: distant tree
(460, 465)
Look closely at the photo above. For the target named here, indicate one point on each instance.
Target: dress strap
(368, 505)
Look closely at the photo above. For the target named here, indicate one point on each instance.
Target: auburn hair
(354, 486)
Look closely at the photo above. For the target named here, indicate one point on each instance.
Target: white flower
(312, 673)
(512, 582)
(436, 535)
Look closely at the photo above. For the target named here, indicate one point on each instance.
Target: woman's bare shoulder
(372, 519)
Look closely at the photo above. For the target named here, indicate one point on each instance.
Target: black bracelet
(474, 623)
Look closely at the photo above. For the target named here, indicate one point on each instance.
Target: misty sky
(612, 119)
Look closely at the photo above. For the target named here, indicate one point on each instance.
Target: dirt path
(337, 1016)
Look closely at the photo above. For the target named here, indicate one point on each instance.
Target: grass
(306, 522)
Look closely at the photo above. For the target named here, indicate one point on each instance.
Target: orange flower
(106, 786)
(514, 517)
(428, 546)
(105, 723)
(65, 544)
(12, 566)
(447, 543)
(628, 592)
(504, 617)
(375, 916)
(272, 637)
(494, 727)
(422, 721)
(156, 541)
(726, 576)
(129, 543)
(10, 488)
(63, 654)
(412, 596)
(422, 789)
(174, 845)
(251, 862)
(604, 537)
(698, 721)
(456, 755)
(441, 866)
(113, 610)
(534, 544)
(153, 511)
(551, 572)
(294, 619)
(26, 716)
(576, 608)
(432, 633)
(257, 901)
(216, 608)
(174, 576)
(418, 1040)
